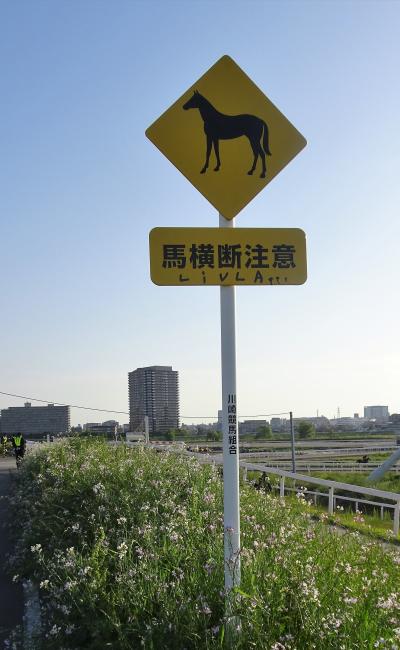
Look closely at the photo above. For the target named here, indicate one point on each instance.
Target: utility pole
(293, 445)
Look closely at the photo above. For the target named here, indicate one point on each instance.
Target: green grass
(343, 435)
(377, 457)
(390, 482)
(127, 547)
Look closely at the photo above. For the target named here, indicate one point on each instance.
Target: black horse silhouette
(218, 126)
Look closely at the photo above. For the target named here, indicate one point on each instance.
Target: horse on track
(218, 126)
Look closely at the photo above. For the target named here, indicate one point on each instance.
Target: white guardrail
(332, 486)
(333, 451)
(330, 467)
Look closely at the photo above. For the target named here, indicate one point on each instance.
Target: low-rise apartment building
(36, 420)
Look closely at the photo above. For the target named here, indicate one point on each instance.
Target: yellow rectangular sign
(228, 256)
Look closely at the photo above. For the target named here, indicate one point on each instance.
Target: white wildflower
(122, 549)
(121, 520)
(55, 630)
(37, 548)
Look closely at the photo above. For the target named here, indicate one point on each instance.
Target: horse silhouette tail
(265, 140)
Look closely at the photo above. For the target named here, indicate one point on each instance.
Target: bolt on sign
(228, 256)
(226, 137)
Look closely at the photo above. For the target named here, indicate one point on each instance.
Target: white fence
(311, 451)
(333, 466)
(332, 486)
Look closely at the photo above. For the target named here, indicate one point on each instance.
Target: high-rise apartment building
(35, 420)
(154, 391)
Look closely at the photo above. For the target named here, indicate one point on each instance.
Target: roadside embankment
(126, 547)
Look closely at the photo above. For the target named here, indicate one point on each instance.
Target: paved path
(11, 596)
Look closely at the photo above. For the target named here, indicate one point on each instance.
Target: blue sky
(81, 187)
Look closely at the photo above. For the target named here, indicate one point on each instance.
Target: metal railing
(330, 466)
(332, 451)
(332, 486)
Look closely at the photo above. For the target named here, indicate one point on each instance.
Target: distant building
(109, 428)
(205, 427)
(281, 425)
(251, 426)
(348, 423)
(191, 428)
(379, 413)
(395, 423)
(154, 391)
(321, 423)
(111, 423)
(36, 420)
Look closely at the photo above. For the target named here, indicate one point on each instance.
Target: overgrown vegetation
(127, 549)
(389, 482)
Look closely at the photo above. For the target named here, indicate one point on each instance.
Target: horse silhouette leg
(216, 149)
(262, 155)
(255, 153)
(208, 151)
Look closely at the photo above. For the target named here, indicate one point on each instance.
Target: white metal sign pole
(230, 433)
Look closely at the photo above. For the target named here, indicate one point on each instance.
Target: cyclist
(18, 443)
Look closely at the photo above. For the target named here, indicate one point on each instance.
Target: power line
(74, 406)
(89, 408)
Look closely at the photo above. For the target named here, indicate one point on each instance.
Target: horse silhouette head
(194, 101)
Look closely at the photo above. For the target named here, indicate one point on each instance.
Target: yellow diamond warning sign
(228, 256)
(226, 137)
